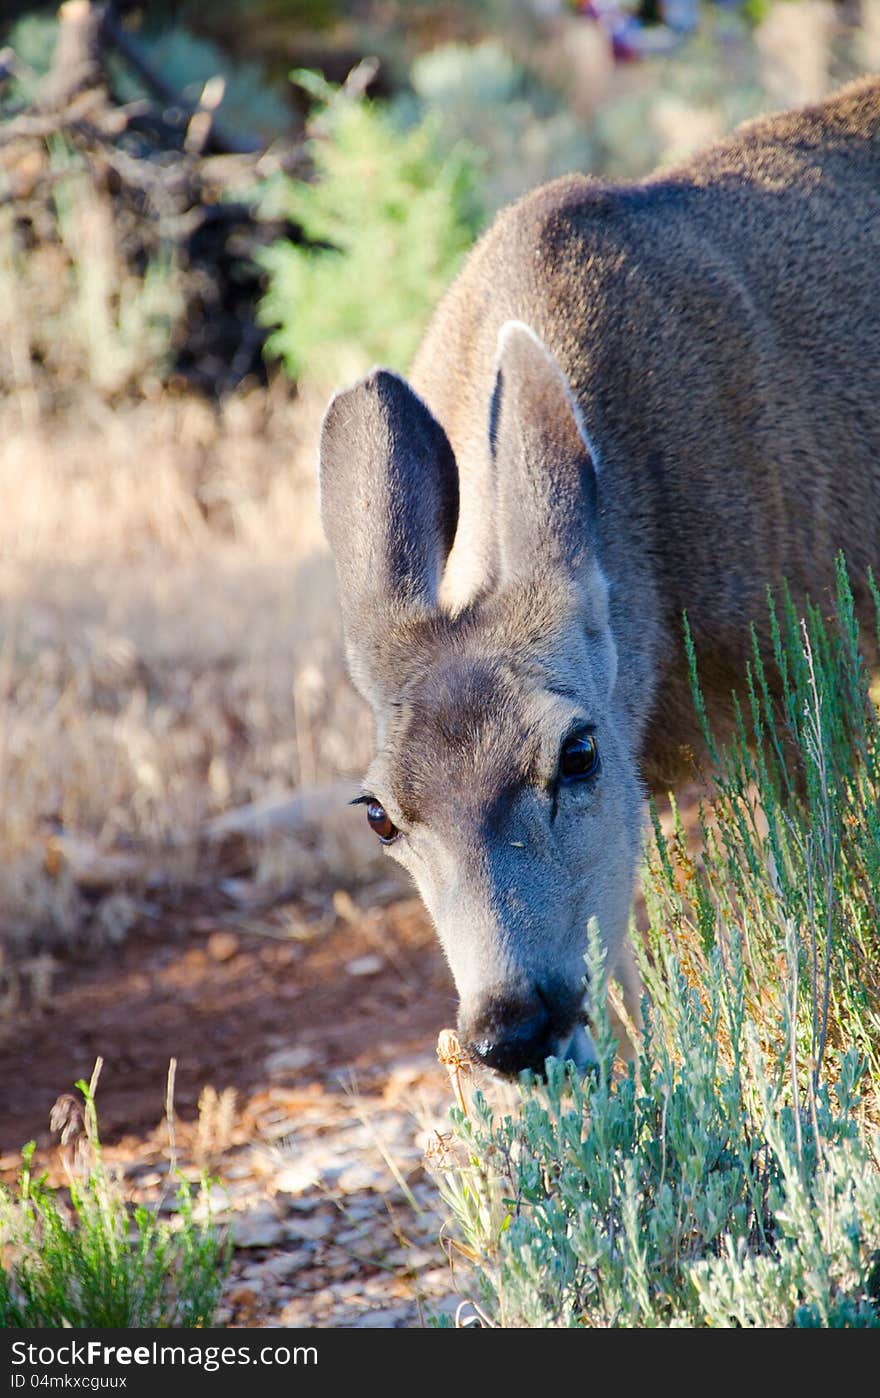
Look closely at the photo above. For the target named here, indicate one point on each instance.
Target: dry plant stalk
(624, 1027)
(455, 1061)
(216, 1123)
(169, 1114)
(66, 1119)
(75, 1123)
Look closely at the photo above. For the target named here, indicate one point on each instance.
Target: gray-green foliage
(250, 103)
(33, 39)
(481, 95)
(83, 311)
(729, 1175)
(119, 325)
(100, 1264)
(387, 218)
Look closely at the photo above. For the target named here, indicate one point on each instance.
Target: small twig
(198, 131)
(11, 66)
(169, 1113)
(359, 79)
(479, 1317)
(76, 65)
(617, 1003)
(129, 50)
(829, 860)
(791, 950)
(74, 117)
(351, 1090)
(96, 1073)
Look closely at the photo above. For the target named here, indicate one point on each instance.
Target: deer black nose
(510, 1036)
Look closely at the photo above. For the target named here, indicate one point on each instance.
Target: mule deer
(634, 400)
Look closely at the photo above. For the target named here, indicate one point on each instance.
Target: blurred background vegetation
(210, 215)
(382, 137)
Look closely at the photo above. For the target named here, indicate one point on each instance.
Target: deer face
(503, 779)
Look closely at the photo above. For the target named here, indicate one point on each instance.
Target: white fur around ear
(604, 650)
(512, 328)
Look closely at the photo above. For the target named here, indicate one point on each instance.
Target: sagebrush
(728, 1176)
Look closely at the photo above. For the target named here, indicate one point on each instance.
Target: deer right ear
(389, 507)
(545, 477)
(546, 486)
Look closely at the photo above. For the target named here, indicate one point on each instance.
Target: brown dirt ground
(356, 995)
(220, 1011)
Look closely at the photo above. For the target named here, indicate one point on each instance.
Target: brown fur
(719, 326)
(634, 401)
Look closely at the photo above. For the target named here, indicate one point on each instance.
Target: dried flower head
(455, 1061)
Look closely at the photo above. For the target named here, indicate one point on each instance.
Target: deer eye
(579, 758)
(381, 823)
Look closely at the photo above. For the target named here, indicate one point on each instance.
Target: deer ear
(546, 484)
(545, 478)
(389, 507)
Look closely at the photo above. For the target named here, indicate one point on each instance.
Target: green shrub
(99, 1264)
(117, 324)
(77, 309)
(729, 1175)
(387, 219)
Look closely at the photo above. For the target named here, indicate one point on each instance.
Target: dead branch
(76, 65)
(219, 139)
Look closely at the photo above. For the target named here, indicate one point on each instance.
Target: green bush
(729, 1175)
(99, 1264)
(387, 220)
(83, 312)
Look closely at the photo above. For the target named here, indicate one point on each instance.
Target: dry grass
(169, 642)
(169, 647)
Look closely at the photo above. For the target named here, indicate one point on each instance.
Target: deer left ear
(389, 506)
(546, 484)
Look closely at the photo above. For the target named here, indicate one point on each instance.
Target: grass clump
(728, 1176)
(97, 1263)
